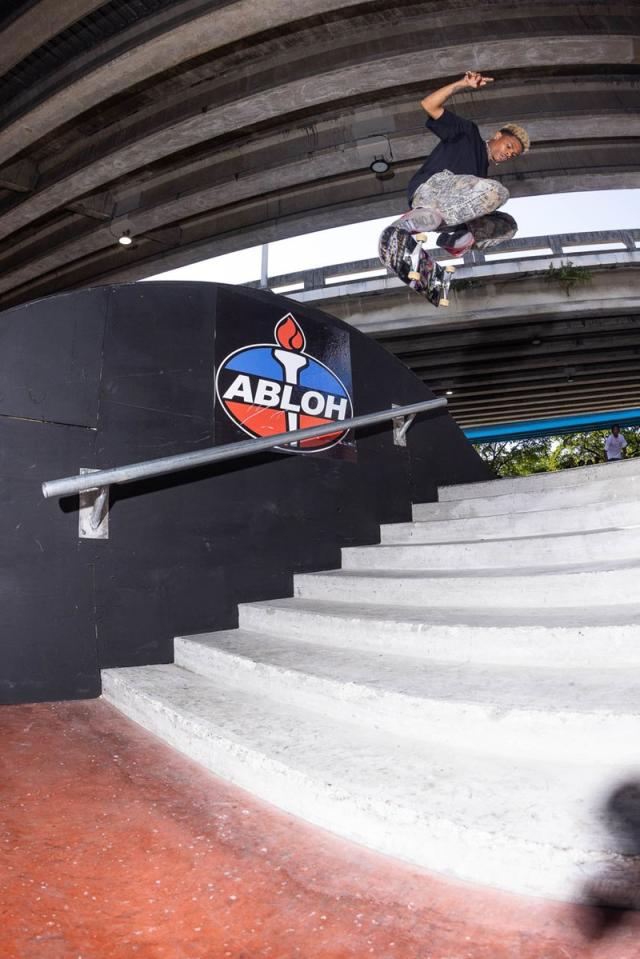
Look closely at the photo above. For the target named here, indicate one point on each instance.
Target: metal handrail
(69, 485)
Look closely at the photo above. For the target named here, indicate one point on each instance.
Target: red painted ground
(115, 846)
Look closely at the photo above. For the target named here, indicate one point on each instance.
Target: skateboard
(403, 253)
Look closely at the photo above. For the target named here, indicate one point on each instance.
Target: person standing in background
(615, 444)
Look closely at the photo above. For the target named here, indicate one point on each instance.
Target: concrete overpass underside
(206, 126)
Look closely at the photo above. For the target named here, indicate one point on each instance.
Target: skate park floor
(115, 845)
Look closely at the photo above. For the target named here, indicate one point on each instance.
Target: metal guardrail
(323, 278)
(101, 479)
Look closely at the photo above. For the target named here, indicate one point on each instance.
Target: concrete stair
(515, 552)
(466, 702)
(540, 482)
(428, 528)
(626, 489)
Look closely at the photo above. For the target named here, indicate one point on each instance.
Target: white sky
(536, 216)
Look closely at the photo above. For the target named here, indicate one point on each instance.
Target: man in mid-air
(451, 191)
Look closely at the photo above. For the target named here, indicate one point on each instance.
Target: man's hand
(434, 103)
(475, 80)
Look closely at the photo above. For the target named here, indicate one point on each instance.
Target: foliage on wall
(568, 276)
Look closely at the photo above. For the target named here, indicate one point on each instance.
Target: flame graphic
(289, 335)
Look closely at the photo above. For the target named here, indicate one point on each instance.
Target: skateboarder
(451, 188)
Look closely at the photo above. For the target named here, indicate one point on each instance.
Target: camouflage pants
(448, 200)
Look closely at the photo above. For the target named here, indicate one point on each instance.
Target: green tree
(580, 449)
(548, 453)
(517, 457)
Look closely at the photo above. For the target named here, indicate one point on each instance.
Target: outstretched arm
(434, 103)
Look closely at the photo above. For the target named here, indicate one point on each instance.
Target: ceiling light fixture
(379, 165)
(448, 393)
(381, 168)
(125, 239)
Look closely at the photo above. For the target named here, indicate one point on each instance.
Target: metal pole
(69, 485)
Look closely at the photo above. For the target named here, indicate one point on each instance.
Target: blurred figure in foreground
(613, 895)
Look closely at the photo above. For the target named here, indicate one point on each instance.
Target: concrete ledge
(542, 637)
(614, 489)
(572, 519)
(580, 586)
(543, 714)
(553, 550)
(542, 481)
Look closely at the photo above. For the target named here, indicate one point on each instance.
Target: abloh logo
(274, 388)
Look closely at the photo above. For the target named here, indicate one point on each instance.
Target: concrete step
(540, 637)
(611, 490)
(530, 827)
(582, 586)
(549, 550)
(462, 696)
(596, 516)
(580, 715)
(540, 481)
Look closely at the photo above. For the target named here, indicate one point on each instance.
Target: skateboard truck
(414, 273)
(403, 253)
(448, 270)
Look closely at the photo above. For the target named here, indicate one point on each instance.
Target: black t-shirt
(461, 150)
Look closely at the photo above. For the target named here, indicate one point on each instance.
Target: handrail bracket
(401, 426)
(93, 518)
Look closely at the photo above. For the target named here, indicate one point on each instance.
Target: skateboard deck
(403, 253)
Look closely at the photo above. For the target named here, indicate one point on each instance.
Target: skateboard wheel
(449, 269)
(414, 276)
(443, 302)
(421, 237)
